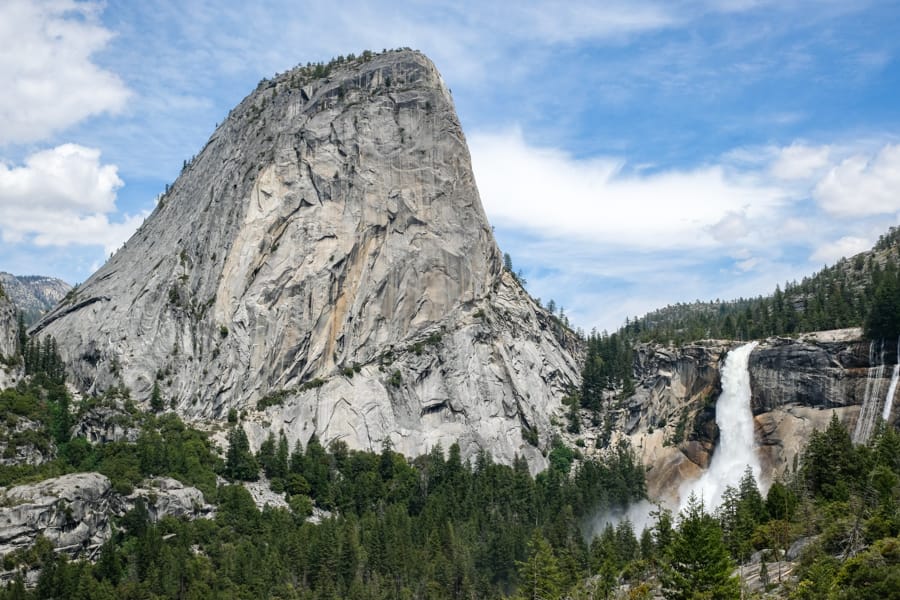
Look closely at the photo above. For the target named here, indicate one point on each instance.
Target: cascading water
(736, 448)
(871, 401)
(889, 399)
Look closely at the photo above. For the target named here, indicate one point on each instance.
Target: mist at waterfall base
(737, 447)
(735, 452)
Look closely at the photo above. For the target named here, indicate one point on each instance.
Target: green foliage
(699, 565)
(883, 319)
(863, 290)
(156, 400)
(240, 464)
(607, 367)
(43, 361)
(539, 574)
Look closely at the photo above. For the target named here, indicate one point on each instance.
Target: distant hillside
(34, 295)
(862, 290)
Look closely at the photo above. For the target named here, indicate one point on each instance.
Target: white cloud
(621, 242)
(549, 191)
(862, 185)
(48, 78)
(847, 246)
(799, 162)
(63, 196)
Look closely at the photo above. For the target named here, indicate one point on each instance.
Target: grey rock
(11, 369)
(72, 511)
(799, 545)
(167, 497)
(823, 374)
(263, 495)
(330, 226)
(34, 295)
(104, 424)
(23, 442)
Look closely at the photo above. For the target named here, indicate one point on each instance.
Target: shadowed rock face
(10, 369)
(327, 248)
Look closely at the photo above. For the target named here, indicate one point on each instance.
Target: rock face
(34, 295)
(10, 365)
(104, 424)
(74, 511)
(167, 497)
(670, 419)
(796, 384)
(71, 511)
(327, 253)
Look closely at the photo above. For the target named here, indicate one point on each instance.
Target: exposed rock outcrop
(74, 512)
(24, 442)
(327, 253)
(167, 497)
(670, 419)
(104, 424)
(796, 384)
(10, 363)
(34, 295)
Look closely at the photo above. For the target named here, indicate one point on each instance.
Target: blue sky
(629, 154)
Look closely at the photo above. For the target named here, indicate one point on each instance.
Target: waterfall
(736, 449)
(889, 399)
(869, 411)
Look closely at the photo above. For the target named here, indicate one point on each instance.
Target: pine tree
(699, 565)
(156, 401)
(539, 575)
(240, 464)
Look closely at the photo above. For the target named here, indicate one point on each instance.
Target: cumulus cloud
(862, 184)
(799, 162)
(547, 190)
(632, 240)
(50, 81)
(830, 252)
(63, 196)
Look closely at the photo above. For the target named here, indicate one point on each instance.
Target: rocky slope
(34, 295)
(326, 254)
(796, 384)
(73, 512)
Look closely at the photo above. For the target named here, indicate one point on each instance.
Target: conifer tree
(699, 564)
(539, 575)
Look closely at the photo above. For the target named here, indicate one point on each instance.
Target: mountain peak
(326, 260)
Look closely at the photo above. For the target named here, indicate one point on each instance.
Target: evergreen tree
(699, 566)
(539, 575)
(240, 464)
(156, 401)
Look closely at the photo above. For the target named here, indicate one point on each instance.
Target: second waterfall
(736, 449)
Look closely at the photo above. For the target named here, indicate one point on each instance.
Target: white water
(865, 423)
(736, 449)
(889, 399)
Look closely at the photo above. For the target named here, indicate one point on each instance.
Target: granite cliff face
(796, 384)
(10, 365)
(326, 258)
(34, 295)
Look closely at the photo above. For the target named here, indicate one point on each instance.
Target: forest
(438, 526)
(861, 291)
